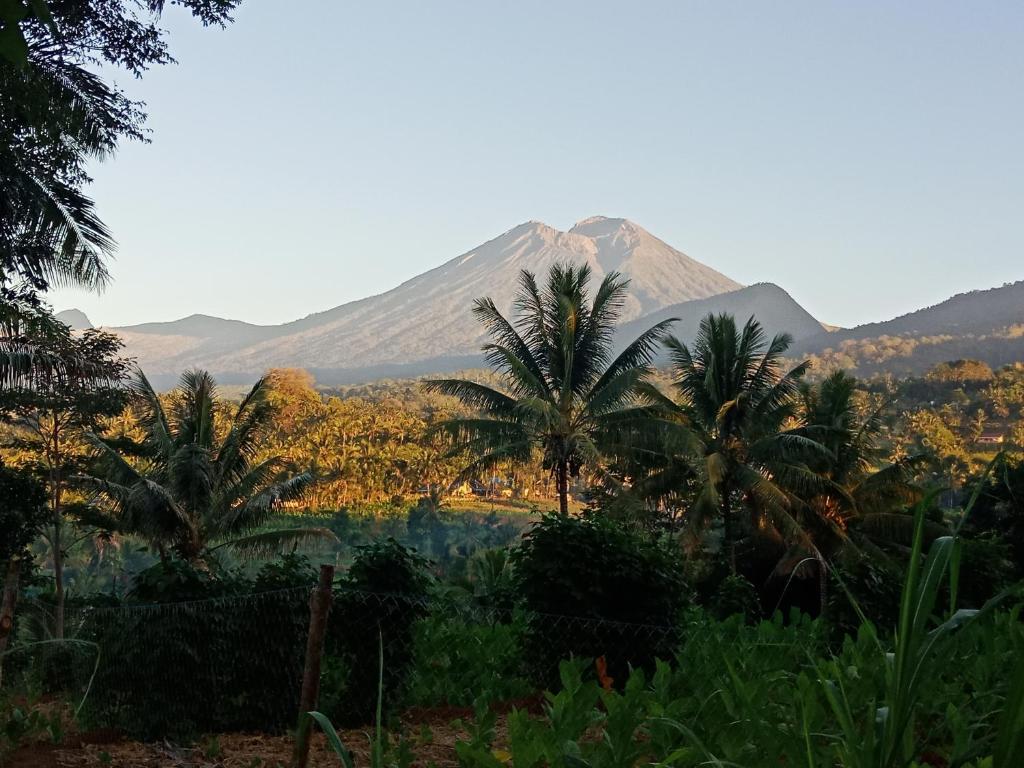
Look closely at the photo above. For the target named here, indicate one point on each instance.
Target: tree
(51, 418)
(864, 490)
(742, 406)
(22, 504)
(565, 394)
(195, 488)
(1000, 509)
(961, 371)
(57, 114)
(28, 334)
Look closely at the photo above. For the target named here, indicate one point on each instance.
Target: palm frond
(272, 542)
(474, 395)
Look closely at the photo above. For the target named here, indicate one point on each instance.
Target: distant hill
(75, 318)
(426, 321)
(775, 309)
(981, 325)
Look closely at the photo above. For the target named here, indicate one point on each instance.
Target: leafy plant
(383, 595)
(462, 659)
(888, 737)
(593, 587)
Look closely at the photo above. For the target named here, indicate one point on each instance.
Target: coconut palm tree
(564, 392)
(190, 490)
(742, 404)
(865, 492)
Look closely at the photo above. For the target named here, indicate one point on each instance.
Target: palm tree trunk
(58, 582)
(56, 481)
(562, 481)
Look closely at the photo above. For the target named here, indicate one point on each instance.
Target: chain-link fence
(236, 663)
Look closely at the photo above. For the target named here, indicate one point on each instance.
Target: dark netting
(175, 670)
(235, 663)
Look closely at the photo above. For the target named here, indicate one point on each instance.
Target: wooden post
(7, 604)
(319, 605)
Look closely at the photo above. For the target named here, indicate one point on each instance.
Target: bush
(735, 596)
(985, 570)
(609, 579)
(461, 660)
(22, 512)
(382, 596)
(873, 585)
(192, 653)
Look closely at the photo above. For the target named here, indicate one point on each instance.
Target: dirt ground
(431, 734)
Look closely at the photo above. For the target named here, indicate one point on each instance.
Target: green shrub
(461, 659)
(190, 653)
(873, 585)
(985, 570)
(736, 596)
(382, 596)
(622, 590)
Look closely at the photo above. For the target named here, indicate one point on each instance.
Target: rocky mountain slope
(428, 318)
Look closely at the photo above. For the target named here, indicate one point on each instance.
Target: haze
(865, 156)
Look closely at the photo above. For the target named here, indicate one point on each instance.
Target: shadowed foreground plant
(887, 737)
(379, 752)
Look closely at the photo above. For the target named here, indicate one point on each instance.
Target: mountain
(775, 309)
(426, 323)
(75, 318)
(981, 325)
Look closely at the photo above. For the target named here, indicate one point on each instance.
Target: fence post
(10, 599)
(319, 605)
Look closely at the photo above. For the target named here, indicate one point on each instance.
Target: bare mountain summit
(75, 318)
(428, 317)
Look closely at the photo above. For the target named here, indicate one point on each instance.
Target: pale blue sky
(867, 156)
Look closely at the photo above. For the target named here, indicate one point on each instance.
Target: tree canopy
(565, 393)
(193, 487)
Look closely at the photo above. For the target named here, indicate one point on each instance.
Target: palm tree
(50, 234)
(865, 491)
(741, 404)
(192, 492)
(565, 394)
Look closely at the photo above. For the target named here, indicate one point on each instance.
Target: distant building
(991, 438)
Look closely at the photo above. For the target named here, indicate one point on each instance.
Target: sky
(868, 157)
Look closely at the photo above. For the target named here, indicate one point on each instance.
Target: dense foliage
(188, 487)
(733, 488)
(382, 597)
(589, 568)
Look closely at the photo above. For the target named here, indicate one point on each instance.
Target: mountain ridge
(424, 324)
(428, 316)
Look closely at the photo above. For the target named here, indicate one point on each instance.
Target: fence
(235, 663)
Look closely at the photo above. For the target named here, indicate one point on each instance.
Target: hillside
(426, 321)
(775, 309)
(75, 318)
(983, 325)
